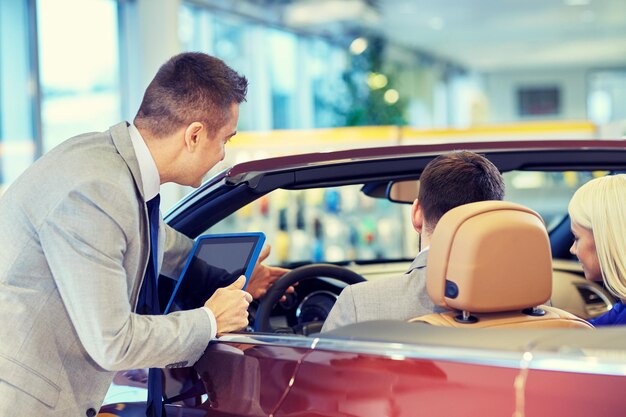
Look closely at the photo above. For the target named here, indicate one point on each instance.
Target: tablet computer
(215, 261)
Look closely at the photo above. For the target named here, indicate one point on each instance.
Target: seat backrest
(491, 261)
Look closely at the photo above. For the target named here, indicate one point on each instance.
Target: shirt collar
(420, 260)
(150, 178)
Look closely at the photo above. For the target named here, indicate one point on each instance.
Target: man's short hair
(455, 179)
(189, 87)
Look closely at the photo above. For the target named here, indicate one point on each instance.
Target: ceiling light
(391, 96)
(358, 46)
(376, 81)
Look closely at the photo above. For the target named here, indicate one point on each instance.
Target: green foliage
(365, 106)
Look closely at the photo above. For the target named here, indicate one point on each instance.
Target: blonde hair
(600, 206)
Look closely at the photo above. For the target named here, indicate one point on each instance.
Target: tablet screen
(215, 261)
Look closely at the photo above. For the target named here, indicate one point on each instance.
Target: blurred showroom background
(324, 74)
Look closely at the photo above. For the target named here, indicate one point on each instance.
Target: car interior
(340, 217)
(320, 282)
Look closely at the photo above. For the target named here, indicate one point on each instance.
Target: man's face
(584, 248)
(211, 148)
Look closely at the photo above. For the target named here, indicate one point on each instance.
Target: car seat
(490, 265)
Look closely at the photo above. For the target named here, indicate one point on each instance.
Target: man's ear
(417, 216)
(192, 135)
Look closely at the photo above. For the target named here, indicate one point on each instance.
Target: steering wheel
(267, 303)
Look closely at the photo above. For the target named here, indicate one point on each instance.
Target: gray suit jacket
(74, 248)
(397, 298)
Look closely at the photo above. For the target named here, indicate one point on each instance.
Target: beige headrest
(491, 256)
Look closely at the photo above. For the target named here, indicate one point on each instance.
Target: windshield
(548, 193)
(341, 224)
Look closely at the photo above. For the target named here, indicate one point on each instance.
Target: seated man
(447, 181)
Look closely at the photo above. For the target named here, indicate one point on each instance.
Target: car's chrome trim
(588, 361)
(268, 339)
(541, 360)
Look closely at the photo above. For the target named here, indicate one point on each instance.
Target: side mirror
(405, 191)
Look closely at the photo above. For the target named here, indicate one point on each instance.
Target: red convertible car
(337, 218)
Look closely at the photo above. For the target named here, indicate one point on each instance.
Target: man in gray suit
(74, 234)
(447, 181)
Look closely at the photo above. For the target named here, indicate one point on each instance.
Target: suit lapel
(124, 145)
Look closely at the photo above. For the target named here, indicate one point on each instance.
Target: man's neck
(425, 241)
(164, 153)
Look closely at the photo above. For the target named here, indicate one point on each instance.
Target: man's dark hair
(455, 179)
(189, 87)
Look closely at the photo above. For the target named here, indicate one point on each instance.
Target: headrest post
(465, 317)
(534, 311)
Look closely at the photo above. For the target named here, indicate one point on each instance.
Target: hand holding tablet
(230, 306)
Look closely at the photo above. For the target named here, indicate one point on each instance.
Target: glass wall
(295, 81)
(63, 74)
(60, 65)
(18, 141)
(607, 97)
(79, 67)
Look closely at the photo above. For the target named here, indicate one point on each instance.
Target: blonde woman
(598, 214)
